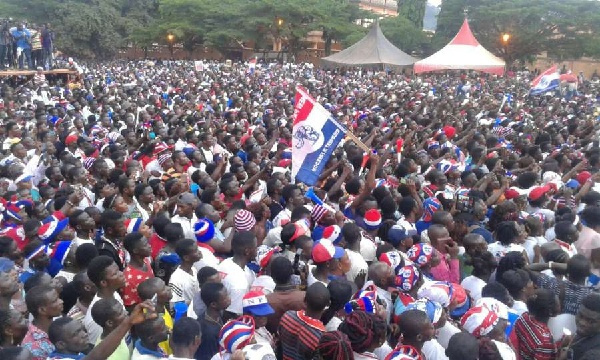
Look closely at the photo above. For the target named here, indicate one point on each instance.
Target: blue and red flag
(546, 81)
(316, 134)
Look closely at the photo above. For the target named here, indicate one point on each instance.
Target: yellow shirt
(169, 324)
(122, 353)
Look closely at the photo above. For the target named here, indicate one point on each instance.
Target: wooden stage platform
(11, 73)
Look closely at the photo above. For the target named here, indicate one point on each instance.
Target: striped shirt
(299, 335)
(532, 339)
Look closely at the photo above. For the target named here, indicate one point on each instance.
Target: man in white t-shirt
(184, 282)
(235, 275)
(186, 205)
(105, 274)
(352, 236)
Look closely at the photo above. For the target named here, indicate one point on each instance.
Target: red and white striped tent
(464, 52)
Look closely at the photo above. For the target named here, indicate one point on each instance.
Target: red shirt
(133, 277)
(532, 339)
(156, 243)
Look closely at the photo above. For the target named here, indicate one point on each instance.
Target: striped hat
(496, 306)
(317, 212)
(133, 225)
(58, 254)
(324, 250)
(204, 229)
(438, 291)
(60, 251)
(244, 220)
(433, 309)
(479, 321)
(460, 300)
(51, 229)
(35, 252)
(160, 147)
(430, 206)
(88, 162)
(372, 219)
(333, 233)
(236, 334)
(162, 158)
(255, 303)
(264, 254)
(365, 303)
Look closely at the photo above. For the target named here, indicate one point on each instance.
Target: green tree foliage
(564, 28)
(404, 34)
(413, 10)
(86, 28)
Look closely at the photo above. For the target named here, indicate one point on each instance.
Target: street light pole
(505, 40)
(171, 40)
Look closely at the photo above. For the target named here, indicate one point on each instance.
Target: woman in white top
(519, 286)
(510, 236)
(483, 267)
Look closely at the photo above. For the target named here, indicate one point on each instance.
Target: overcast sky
(435, 2)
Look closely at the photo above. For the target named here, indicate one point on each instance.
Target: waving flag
(315, 136)
(547, 81)
(251, 65)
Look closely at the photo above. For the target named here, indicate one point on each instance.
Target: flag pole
(358, 142)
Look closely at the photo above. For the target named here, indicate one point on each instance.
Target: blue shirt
(21, 37)
(145, 351)
(59, 356)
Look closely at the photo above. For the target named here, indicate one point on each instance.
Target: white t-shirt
(473, 285)
(506, 352)
(499, 250)
(263, 283)
(358, 265)
(433, 350)
(183, 285)
(530, 243)
(519, 307)
(208, 259)
(93, 329)
(187, 225)
(237, 281)
(445, 333)
(311, 279)
(333, 324)
(368, 249)
(282, 218)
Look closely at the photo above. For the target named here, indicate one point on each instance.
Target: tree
(85, 28)
(413, 10)
(404, 34)
(563, 28)
(337, 21)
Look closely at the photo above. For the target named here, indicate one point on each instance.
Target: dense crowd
(148, 212)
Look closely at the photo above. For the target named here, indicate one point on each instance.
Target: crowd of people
(25, 45)
(148, 212)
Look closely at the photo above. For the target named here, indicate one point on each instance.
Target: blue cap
(6, 264)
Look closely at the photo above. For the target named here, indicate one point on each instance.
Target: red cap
(284, 162)
(71, 139)
(538, 192)
(449, 131)
(583, 176)
(511, 194)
